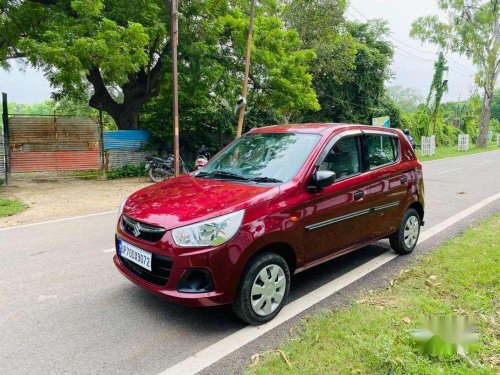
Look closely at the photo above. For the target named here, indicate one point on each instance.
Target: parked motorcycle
(160, 169)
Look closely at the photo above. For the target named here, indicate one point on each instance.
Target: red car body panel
(283, 216)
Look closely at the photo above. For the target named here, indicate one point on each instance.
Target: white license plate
(134, 254)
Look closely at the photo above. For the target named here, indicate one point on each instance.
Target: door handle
(404, 180)
(358, 195)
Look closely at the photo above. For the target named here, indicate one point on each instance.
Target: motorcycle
(160, 169)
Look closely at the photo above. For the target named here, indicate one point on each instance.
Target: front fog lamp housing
(212, 232)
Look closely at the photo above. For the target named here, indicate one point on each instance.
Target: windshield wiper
(264, 179)
(224, 174)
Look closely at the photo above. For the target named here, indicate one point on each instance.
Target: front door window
(343, 158)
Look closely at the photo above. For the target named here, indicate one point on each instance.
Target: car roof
(317, 128)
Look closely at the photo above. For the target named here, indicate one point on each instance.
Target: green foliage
(471, 30)
(127, 171)
(120, 50)
(351, 89)
(211, 72)
(495, 105)
(495, 126)
(438, 87)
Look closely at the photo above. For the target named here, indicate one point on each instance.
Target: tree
(406, 98)
(473, 30)
(117, 53)
(438, 87)
(111, 51)
(211, 57)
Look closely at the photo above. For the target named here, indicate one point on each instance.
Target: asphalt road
(65, 309)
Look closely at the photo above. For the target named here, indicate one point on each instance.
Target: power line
(465, 71)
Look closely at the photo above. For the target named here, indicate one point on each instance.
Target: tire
(409, 228)
(155, 177)
(257, 269)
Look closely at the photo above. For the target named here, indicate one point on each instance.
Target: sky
(413, 64)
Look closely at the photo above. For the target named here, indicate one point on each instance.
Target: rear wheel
(157, 175)
(263, 290)
(404, 240)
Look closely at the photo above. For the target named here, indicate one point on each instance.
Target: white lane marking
(112, 250)
(59, 220)
(450, 170)
(231, 343)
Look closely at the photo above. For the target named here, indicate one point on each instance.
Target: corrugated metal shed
(125, 139)
(40, 144)
(119, 158)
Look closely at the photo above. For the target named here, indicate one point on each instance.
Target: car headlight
(120, 210)
(212, 232)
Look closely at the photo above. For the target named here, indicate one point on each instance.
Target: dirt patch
(49, 200)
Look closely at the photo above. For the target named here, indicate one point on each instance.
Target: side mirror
(321, 180)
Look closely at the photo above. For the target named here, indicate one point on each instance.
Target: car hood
(185, 200)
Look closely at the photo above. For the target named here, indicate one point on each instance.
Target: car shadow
(221, 319)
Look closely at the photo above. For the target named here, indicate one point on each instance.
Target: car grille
(143, 231)
(161, 266)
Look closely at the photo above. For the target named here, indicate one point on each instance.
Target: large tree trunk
(139, 89)
(126, 117)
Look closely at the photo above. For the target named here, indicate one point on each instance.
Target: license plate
(134, 254)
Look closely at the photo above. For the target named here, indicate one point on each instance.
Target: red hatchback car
(273, 203)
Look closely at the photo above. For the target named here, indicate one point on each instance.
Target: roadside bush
(127, 171)
(495, 126)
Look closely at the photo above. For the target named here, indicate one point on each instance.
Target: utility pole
(174, 36)
(6, 137)
(247, 71)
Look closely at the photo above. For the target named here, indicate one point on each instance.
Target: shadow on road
(206, 320)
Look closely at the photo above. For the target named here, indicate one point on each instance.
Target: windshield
(262, 157)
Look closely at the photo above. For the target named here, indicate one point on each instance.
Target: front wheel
(263, 290)
(404, 240)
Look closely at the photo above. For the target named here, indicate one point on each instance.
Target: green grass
(373, 336)
(10, 207)
(443, 152)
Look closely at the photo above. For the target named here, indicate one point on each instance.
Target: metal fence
(498, 140)
(463, 142)
(53, 145)
(428, 145)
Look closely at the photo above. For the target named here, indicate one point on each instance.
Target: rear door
(388, 186)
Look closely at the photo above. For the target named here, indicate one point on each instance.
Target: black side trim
(337, 219)
(350, 216)
(385, 206)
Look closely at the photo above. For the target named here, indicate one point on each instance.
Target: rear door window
(381, 149)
